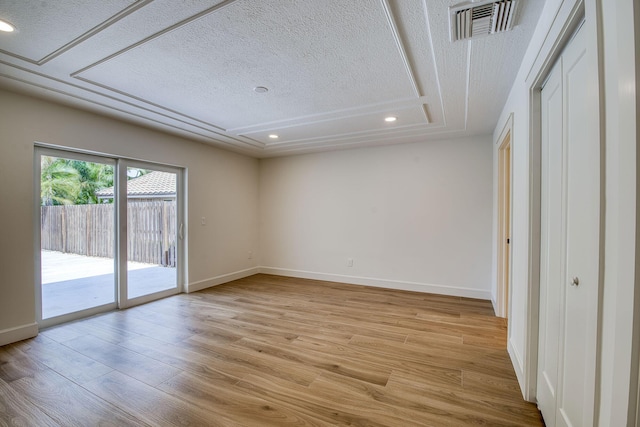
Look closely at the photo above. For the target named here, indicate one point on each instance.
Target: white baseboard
(355, 280)
(381, 283)
(518, 365)
(19, 333)
(494, 303)
(219, 280)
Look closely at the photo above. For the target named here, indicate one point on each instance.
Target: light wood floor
(271, 351)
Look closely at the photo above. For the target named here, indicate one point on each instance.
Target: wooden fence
(89, 230)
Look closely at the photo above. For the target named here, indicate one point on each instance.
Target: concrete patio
(74, 282)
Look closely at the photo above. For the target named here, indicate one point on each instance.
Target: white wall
(223, 187)
(518, 104)
(612, 43)
(411, 216)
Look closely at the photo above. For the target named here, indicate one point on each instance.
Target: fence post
(63, 224)
(88, 231)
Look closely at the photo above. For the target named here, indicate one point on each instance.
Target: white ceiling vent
(481, 18)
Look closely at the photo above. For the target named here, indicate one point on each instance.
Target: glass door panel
(109, 234)
(77, 234)
(152, 232)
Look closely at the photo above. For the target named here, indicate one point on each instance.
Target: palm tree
(92, 177)
(59, 182)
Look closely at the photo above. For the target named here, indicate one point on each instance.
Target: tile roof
(155, 183)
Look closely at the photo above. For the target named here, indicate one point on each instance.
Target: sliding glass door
(109, 234)
(152, 229)
(77, 235)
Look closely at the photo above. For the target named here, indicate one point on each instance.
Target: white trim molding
(219, 280)
(382, 283)
(19, 333)
(518, 365)
(456, 291)
(504, 229)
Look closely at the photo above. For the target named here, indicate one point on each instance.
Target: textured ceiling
(334, 68)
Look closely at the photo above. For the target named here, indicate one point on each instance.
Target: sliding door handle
(181, 231)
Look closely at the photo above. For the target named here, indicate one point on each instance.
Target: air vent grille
(470, 20)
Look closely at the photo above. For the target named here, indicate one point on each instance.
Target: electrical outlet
(349, 262)
(203, 221)
(250, 254)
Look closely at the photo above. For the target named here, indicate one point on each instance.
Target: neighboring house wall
(618, 332)
(223, 187)
(411, 216)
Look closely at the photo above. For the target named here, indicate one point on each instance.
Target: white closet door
(569, 244)
(552, 245)
(576, 394)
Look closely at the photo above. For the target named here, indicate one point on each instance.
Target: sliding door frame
(121, 223)
(120, 164)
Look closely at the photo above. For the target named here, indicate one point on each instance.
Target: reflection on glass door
(77, 234)
(152, 232)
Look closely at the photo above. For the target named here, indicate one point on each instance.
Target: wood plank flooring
(271, 351)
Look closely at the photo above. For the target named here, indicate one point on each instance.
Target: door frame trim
(503, 301)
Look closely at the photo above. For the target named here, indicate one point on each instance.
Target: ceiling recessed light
(390, 119)
(260, 89)
(7, 27)
(273, 136)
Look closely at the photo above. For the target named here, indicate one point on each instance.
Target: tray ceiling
(334, 69)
